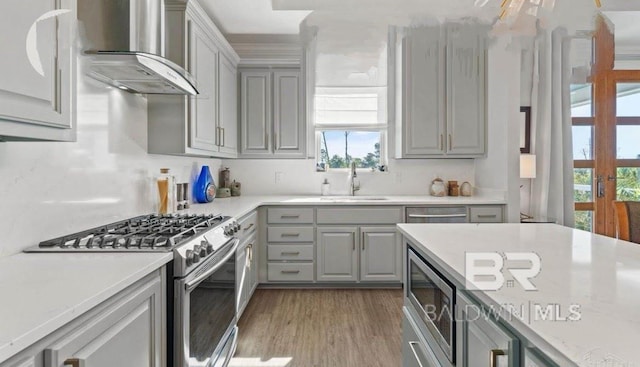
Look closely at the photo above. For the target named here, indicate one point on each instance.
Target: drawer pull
(493, 356)
(290, 235)
(248, 227)
(289, 216)
(487, 215)
(73, 362)
(415, 354)
(290, 253)
(437, 215)
(290, 271)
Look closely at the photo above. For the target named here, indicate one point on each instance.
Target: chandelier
(510, 9)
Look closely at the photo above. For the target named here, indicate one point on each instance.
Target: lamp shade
(527, 166)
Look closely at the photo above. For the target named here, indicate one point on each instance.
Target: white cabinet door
(337, 254)
(481, 342)
(203, 61)
(255, 111)
(466, 92)
(424, 90)
(381, 252)
(228, 95)
(37, 93)
(288, 123)
(129, 334)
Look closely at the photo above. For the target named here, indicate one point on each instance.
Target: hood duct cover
(127, 40)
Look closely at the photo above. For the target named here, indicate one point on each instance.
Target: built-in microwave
(433, 299)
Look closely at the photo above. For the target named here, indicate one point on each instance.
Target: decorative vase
(466, 189)
(438, 188)
(204, 189)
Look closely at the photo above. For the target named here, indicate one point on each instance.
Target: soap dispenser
(326, 187)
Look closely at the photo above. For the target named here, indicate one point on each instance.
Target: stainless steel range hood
(126, 40)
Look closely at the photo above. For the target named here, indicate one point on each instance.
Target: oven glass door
(432, 297)
(208, 313)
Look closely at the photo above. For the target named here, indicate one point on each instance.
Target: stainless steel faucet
(354, 183)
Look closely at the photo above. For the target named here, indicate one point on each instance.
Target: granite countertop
(42, 292)
(599, 274)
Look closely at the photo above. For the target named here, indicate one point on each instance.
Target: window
(349, 127)
(350, 91)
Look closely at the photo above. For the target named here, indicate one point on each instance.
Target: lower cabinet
(351, 253)
(415, 352)
(481, 341)
(246, 273)
(125, 331)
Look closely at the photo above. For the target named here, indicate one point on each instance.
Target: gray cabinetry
(246, 273)
(481, 341)
(37, 97)
(380, 255)
(126, 330)
(204, 124)
(271, 114)
(337, 254)
(443, 92)
(415, 350)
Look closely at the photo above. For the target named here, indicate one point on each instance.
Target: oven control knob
(196, 249)
(205, 248)
(189, 257)
(203, 251)
(209, 248)
(195, 258)
(236, 226)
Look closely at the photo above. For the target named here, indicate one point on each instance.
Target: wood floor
(321, 327)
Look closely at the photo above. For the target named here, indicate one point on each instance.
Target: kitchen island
(584, 310)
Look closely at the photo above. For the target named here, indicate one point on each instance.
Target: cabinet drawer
(485, 214)
(248, 224)
(290, 234)
(391, 215)
(290, 215)
(279, 272)
(290, 252)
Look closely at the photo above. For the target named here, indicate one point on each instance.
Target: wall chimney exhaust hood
(126, 40)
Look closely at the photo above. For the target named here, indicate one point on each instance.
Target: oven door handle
(197, 280)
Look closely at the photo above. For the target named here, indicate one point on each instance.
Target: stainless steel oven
(433, 299)
(205, 329)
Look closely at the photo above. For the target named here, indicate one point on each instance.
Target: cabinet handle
(441, 141)
(290, 235)
(437, 215)
(493, 356)
(250, 247)
(450, 145)
(289, 216)
(290, 253)
(224, 140)
(290, 271)
(415, 354)
(248, 227)
(73, 362)
(217, 139)
(487, 216)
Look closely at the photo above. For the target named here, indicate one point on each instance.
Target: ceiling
(253, 17)
(259, 16)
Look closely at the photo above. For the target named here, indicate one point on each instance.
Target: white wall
(49, 189)
(298, 177)
(499, 171)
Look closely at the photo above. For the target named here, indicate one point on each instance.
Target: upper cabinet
(442, 92)
(37, 70)
(272, 123)
(204, 124)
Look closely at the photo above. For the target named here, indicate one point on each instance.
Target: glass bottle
(166, 192)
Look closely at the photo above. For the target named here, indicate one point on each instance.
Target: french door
(606, 145)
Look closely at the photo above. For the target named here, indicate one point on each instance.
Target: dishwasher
(440, 214)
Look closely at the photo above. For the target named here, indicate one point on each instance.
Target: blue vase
(204, 189)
